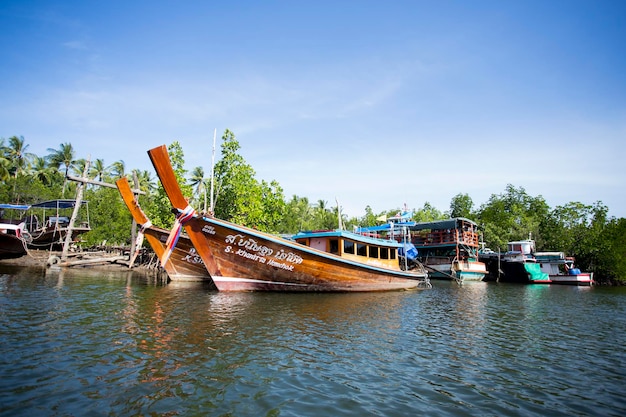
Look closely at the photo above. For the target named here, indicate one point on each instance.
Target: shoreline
(37, 258)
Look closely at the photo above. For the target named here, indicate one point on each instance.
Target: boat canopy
(62, 204)
(434, 225)
(14, 206)
(384, 227)
(442, 224)
(346, 235)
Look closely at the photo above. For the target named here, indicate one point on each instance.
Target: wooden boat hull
(184, 263)
(582, 279)
(463, 271)
(11, 247)
(241, 259)
(521, 272)
(54, 237)
(469, 270)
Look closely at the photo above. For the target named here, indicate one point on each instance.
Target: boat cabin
(352, 246)
(520, 251)
(556, 263)
(449, 232)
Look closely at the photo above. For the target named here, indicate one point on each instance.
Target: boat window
(384, 253)
(361, 249)
(373, 251)
(348, 247)
(392, 254)
(334, 246)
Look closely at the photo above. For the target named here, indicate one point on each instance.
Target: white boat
(561, 269)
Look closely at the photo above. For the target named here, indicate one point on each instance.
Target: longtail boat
(239, 258)
(184, 264)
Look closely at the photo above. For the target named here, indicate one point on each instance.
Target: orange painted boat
(184, 264)
(243, 259)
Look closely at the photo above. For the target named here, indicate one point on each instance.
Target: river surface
(92, 343)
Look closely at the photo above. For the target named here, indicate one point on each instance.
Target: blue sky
(373, 103)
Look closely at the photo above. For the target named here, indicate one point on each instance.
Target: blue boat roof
(14, 206)
(62, 204)
(437, 224)
(348, 235)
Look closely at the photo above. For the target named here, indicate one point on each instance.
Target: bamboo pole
(77, 204)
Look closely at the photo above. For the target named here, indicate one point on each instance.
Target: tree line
(598, 242)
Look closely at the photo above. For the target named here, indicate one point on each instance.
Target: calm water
(88, 343)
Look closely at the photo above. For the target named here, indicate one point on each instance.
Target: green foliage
(201, 185)
(239, 197)
(612, 262)
(63, 158)
(370, 219)
(513, 215)
(110, 220)
(297, 216)
(583, 231)
(26, 190)
(274, 206)
(428, 213)
(462, 206)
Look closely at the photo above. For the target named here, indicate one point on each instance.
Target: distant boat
(448, 248)
(48, 223)
(13, 234)
(561, 269)
(184, 264)
(243, 259)
(521, 263)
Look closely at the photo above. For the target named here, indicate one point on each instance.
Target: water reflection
(126, 344)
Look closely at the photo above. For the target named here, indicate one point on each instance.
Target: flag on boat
(409, 250)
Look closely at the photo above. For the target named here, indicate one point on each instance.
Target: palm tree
(98, 170)
(146, 182)
(304, 211)
(41, 170)
(5, 164)
(118, 169)
(79, 167)
(20, 159)
(197, 180)
(64, 156)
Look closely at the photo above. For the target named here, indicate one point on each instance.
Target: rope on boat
(181, 218)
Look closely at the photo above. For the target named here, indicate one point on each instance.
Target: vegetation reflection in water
(124, 344)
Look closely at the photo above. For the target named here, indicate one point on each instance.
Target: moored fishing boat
(521, 263)
(48, 223)
(561, 269)
(517, 264)
(13, 235)
(243, 259)
(184, 264)
(448, 248)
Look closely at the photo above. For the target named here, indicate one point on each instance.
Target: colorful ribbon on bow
(181, 218)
